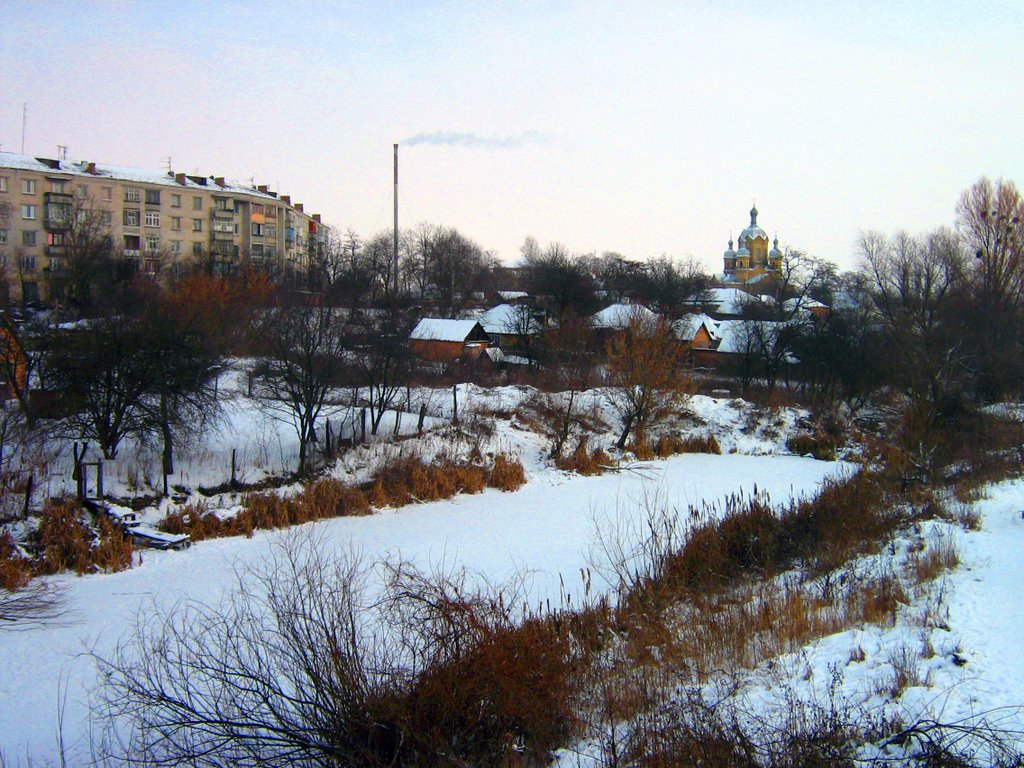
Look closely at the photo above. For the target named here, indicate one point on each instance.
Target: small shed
(441, 340)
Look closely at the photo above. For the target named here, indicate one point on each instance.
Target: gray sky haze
(639, 127)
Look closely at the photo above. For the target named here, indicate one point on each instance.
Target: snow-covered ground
(546, 528)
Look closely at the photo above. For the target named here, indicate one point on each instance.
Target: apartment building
(163, 222)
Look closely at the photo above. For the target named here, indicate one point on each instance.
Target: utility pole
(395, 232)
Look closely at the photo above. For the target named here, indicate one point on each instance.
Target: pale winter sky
(639, 127)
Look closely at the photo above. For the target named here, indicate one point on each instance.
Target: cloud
(451, 139)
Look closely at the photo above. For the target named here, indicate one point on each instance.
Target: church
(752, 261)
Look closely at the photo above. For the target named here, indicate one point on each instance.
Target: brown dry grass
(584, 461)
(15, 570)
(63, 539)
(323, 499)
(507, 473)
(670, 445)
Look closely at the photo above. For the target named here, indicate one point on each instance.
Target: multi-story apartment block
(160, 221)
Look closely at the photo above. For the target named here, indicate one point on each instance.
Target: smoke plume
(451, 139)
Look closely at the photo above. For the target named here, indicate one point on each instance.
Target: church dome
(753, 231)
(775, 252)
(730, 253)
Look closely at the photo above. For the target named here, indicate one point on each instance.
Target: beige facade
(752, 261)
(162, 222)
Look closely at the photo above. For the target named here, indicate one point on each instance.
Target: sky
(644, 128)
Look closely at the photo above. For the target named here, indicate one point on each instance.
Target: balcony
(57, 211)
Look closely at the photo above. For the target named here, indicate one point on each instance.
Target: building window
(197, 249)
(257, 229)
(223, 204)
(27, 262)
(108, 194)
(175, 246)
(152, 243)
(82, 191)
(227, 227)
(28, 186)
(56, 239)
(175, 201)
(176, 223)
(3, 183)
(28, 237)
(28, 211)
(106, 218)
(197, 225)
(271, 252)
(152, 218)
(3, 236)
(132, 195)
(152, 197)
(197, 203)
(257, 209)
(58, 186)
(131, 217)
(257, 251)
(271, 230)
(30, 290)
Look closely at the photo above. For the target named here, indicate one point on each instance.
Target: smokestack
(179, 178)
(395, 233)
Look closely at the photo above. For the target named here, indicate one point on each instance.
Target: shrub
(63, 539)
(113, 550)
(820, 445)
(584, 461)
(670, 445)
(507, 473)
(15, 570)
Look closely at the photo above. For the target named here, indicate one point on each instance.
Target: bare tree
(304, 665)
(383, 361)
(564, 279)
(568, 358)
(304, 342)
(644, 375)
(913, 280)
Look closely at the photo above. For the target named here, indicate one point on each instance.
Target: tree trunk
(625, 432)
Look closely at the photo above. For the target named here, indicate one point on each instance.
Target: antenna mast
(24, 122)
(395, 233)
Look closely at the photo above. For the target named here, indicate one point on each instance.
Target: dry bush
(584, 461)
(507, 473)
(429, 672)
(410, 479)
(15, 570)
(820, 445)
(935, 560)
(113, 550)
(63, 539)
(670, 445)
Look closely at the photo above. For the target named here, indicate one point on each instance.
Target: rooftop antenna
(168, 159)
(24, 122)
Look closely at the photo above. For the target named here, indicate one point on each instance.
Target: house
(805, 304)
(723, 303)
(615, 319)
(440, 340)
(511, 326)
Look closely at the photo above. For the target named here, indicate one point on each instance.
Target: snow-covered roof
(619, 315)
(437, 329)
(509, 319)
(123, 173)
(686, 327)
(802, 302)
(513, 295)
(726, 301)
